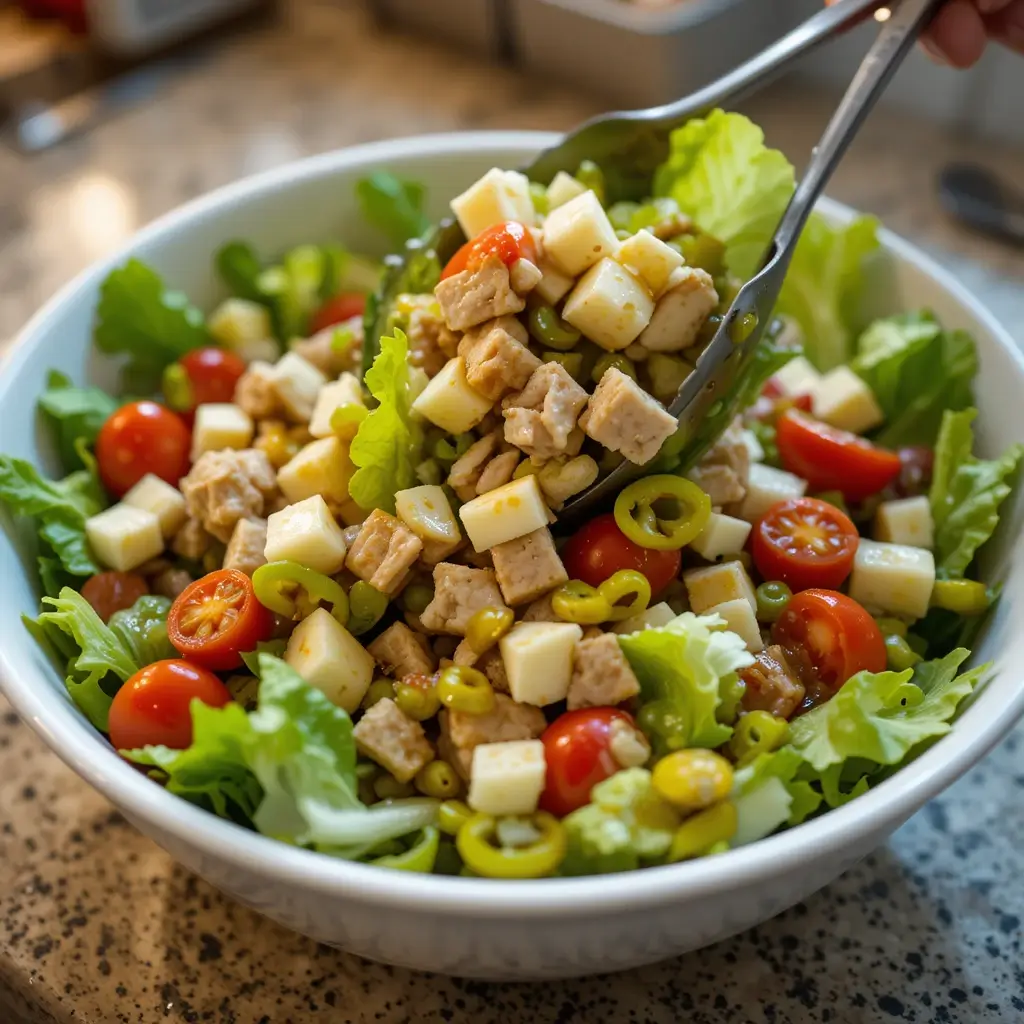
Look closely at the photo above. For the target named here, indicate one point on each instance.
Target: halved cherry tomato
(342, 307)
(577, 750)
(805, 543)
(833, 460)
(154, 705)
(212, 375)
(832, 631)
(216, 619)
(140, 438)
(110, 592)
(510, 241)
(600, 549)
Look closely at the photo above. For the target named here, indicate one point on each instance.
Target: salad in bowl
(306, 567)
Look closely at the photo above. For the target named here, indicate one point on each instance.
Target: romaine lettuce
(142, 629)
(768, 794)
(394, 205)
(76, 416)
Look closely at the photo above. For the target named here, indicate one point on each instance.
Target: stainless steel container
(474, 24)
(636, 56)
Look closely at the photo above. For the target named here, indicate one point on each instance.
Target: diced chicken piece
(192, 541)
(383, 552)
(505, 722)
(528, 567)
(256, 392)
(497, 472)
(540, 610)
(334, 349)
(473, 296)
(170, 583)
(688, 301)
(496, 361)
(725, 468)
(490, 663)
(624, 418)
(459, 592)
(226, 486)
(246, 547)
(601, 676)
(560, 479)
(771, 684)
(540, 418)
(385, 735)
(467, 469)
(401, 652)
(431, 343)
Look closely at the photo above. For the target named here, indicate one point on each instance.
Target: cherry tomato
(600, 549)
(212, 374)
(509, 242)
(833, 460)
(834, 633)
(153, 706)
(110, 592)
(217, 618)
(577, 749)
(342, 307)
(140, 438)
(805, 543)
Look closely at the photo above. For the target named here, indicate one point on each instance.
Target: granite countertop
(97, 924)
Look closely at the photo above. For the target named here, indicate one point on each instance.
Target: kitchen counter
(97, 924)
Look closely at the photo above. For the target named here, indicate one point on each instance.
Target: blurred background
(115, 111)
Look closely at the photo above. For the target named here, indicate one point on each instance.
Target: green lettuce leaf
(734, 187)
(682, 668)
(966, 493)
(388, 445)
(394, 205)
(142, 629)
(768, 793)
(75, 415)
(824, 286)
(273, 647)
(239, 268)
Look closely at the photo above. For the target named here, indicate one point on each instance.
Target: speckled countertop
(97, 924)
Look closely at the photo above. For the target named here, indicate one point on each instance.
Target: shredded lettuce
(767, 794)
(394, 205)
(734, 187)
(76, 416)
(142, 629)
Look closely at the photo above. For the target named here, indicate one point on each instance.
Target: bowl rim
(67, 733)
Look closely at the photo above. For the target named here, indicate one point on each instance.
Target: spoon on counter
(975, 196)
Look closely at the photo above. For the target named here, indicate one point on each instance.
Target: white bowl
(469, 927)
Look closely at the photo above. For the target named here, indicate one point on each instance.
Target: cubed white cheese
(263, 350)
(510, 511)
(498, 196)
(167, 503)
(754, 447)
(609, 305)
(538, 659)
(893, 578)
(741, 620)
(650, 259)
(563, 187)
(905, 521)
(656, 616)
(554, 285)
(123, 537)
(723, 535)
(320, 467)
(766, 486)
(524, 276)
(428, 513)
(330, 658)
(332, 396)
(238, 322)
(297, 382)
(306, 533)
(449, 402)
(797, 377)
(221, 425)
(578, 234)
(719, 584)
(507, 778)
(841, 399)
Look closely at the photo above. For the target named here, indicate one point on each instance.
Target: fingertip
(957, 35)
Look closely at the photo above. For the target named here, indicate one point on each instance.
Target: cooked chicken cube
(624, 418)
(496, 361)
(688, 301)
(725, 468)
(492, 665)
(468, 467)
(497, 472)
(229, 485)
(334, 349)
(528, 567)
(771, 684)
(401, 652)
(246, 548)
(459, 592)
(601, 676)
(506, 721)
(191, 541)
(473, 296)
(540, 610)
(385, 735)
(256, 392)
(170, 583)
(383, 552)
(431, 343)
(540, 418)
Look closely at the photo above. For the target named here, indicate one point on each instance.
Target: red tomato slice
(804, 543)
(140, 438)
(834, 460)
(110, 592)
(154, 705)
(834, 633)
(600, 549)
(217, 618)
(342, 307)
(212, 374)
(510, 241)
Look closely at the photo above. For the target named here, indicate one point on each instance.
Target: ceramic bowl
(469, 927)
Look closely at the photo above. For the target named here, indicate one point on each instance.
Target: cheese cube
(766, 486)
(719, 584)
(797, 377)
(507, 778)
(498, 196)
(578, 234)
(754, 448)
(905, 521)
(330, 658)
(510, 511)
(723, 535)
(428, 513)
(263, 350)
(123, 537)
(841, 399)
(892, 578)
(554, 285)
(538, 659)
(320, 467)
(167, 503)
(449, 402)
(609, 305)
(221, 425)
(236, 323)
(657, 615)
(297, 383)
(335, 395)
(563, 187)
(306, 533)
(650, 259)
(741, 620)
